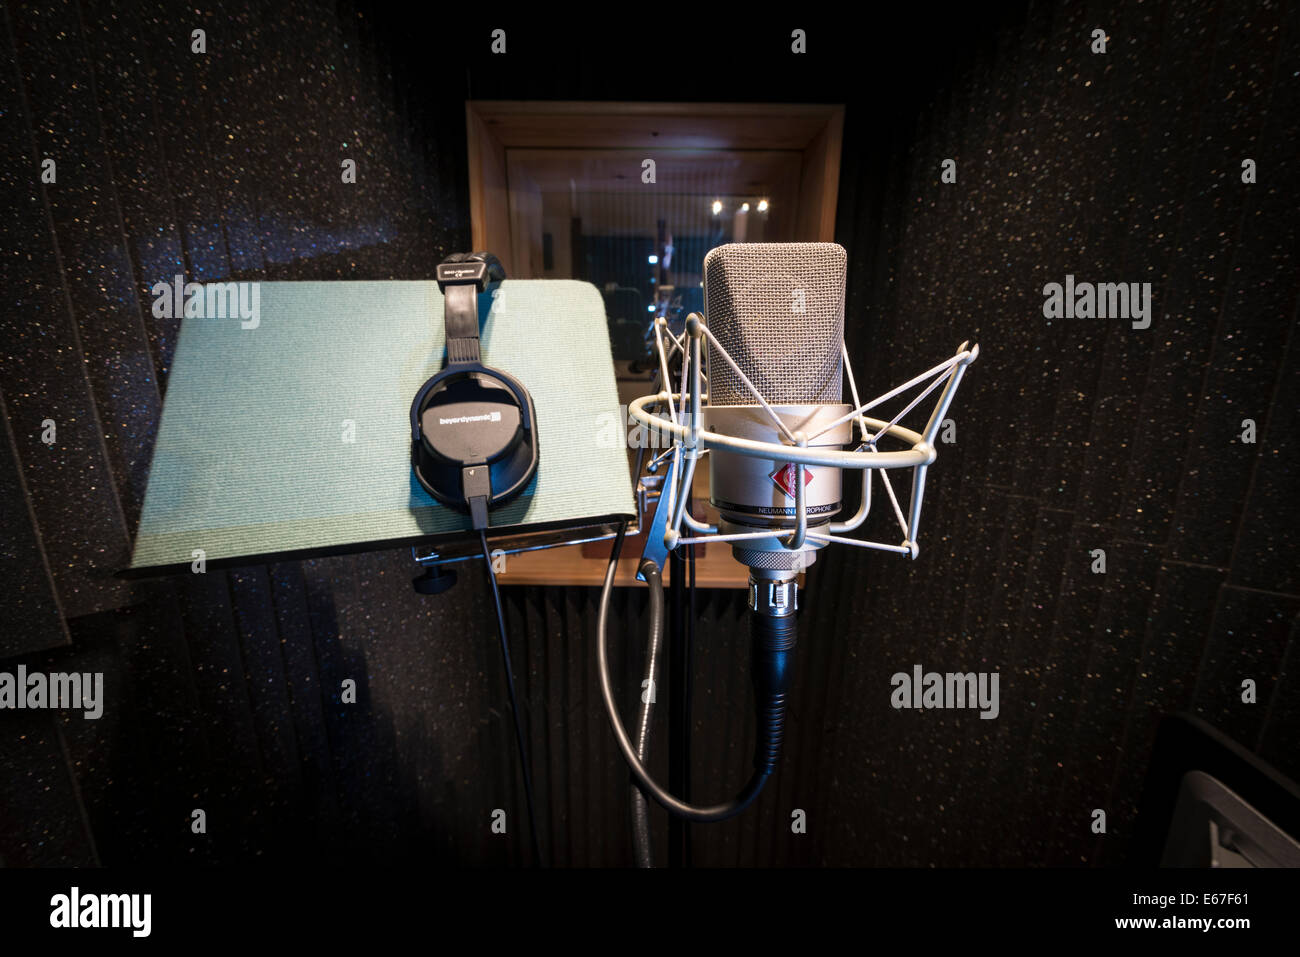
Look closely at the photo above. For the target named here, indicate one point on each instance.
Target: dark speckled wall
(1073, 435)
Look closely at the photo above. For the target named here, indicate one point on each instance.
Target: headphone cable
(514, 701)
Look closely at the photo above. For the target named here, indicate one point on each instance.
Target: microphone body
(778, 311)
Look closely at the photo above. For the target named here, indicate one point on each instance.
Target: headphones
(473, 428)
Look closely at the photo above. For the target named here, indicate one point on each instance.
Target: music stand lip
(516, 538)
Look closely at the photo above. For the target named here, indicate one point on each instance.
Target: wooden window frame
(496, 126)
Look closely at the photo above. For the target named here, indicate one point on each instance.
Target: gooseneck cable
(773, 650)
(640, 806)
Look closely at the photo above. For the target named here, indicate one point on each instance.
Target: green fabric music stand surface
(292, 438)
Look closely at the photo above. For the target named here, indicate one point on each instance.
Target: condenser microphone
(774, 426)
(777, 309)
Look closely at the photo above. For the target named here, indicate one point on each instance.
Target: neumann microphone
(778, 311)
(775, 429)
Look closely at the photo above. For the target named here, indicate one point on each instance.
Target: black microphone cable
(514, 702)
(772, 677)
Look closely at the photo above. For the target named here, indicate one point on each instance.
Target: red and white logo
(787, 475)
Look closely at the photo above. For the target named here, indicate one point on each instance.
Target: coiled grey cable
(717, 812)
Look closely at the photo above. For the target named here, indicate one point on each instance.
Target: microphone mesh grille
(778, 310)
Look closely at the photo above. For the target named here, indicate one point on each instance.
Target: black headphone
(473, 428)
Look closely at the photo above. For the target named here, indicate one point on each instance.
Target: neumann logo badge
(786, 478)
(461, 419)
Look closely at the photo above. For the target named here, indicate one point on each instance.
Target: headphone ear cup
(477, 428)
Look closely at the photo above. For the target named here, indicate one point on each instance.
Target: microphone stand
(681, 619)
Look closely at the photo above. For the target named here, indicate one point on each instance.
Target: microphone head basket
(680, 416)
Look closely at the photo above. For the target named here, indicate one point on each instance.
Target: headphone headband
(461, 277)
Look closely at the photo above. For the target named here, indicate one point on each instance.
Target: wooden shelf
(586, 565)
